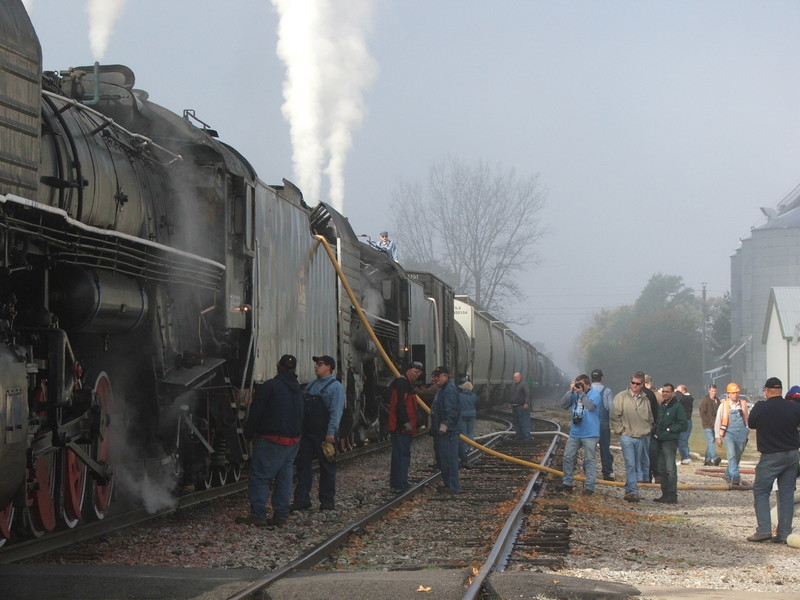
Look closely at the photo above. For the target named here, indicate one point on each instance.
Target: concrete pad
(530, 585)
(370, 585)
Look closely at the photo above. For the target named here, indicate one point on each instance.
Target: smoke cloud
(322, 43)
(103, 15)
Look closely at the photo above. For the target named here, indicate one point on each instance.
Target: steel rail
(324, 550)
(503, 546)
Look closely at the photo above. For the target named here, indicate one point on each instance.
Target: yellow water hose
(473, 443)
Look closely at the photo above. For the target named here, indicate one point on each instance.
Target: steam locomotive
(149, 281)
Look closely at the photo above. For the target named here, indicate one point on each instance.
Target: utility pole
(703, 351)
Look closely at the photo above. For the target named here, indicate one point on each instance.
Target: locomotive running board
(191, 377)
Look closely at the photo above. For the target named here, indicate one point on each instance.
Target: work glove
(442, 429)
(329, 450)
(407, 428)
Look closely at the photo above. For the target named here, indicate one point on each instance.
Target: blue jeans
(711, 447)
(446, 448)
(589, 446)
(783, 467)
(467, 428)
(401, 460)
(309, 450)
(667, 470)
(271, 461)
(735, 440)
(683, 441)
(649, 468)
(606, 458)
(522, 422)
(634, 451)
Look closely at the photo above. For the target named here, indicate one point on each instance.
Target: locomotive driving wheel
(6, 518)
(74, 474)
(99, 494)
(41, 511)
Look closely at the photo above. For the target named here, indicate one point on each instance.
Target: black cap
(386, 233)
(441, 371)
(773, 383)
(415, 365)
(325, 359)
(288, 361)
(597, 374)
(463, 380)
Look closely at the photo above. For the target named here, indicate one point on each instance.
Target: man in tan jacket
(632, 421)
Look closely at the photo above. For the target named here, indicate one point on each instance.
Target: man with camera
(584, 432)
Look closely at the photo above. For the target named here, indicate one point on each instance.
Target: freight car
(149, 281)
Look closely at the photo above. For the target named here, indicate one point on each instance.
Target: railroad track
(474, 530)
(470, 533)
(22, 549)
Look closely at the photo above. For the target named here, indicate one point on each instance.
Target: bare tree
(474, 226)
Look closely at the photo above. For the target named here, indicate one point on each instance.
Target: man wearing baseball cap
(776, 421)
(388, 246)
(402, 425)
(603, 412)
(323, 412)
(445, 414)
(275, 424)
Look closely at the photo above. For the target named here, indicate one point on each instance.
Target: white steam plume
(103, 15)
(322, 43)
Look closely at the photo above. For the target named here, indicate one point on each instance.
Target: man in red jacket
(402, 425)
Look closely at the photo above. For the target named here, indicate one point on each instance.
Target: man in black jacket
(521, 407)
(275, 423)
(670, 423)
(776, 421)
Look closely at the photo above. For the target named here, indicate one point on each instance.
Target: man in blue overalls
(323, 411)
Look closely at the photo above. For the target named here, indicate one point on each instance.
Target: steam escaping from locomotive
(328, 67)
(103, 15)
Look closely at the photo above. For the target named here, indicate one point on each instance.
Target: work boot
(759, 537)
(251, 520)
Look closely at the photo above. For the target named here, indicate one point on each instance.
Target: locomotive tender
(149, 280)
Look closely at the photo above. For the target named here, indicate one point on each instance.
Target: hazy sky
(657, 128)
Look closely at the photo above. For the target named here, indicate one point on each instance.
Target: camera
(578, 385)
(577, 419)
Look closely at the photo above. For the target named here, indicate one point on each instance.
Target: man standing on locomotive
(323, 411)
(275, 421)
(388, 246)
(402, 425)
(444, 418)
(521, 407)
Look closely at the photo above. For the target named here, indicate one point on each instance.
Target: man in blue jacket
(275, 423)
(445, 414)
(323, 411)
(584, 432)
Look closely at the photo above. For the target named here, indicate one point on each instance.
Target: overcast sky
(657, 128)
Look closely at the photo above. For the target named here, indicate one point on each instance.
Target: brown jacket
(708, 411)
